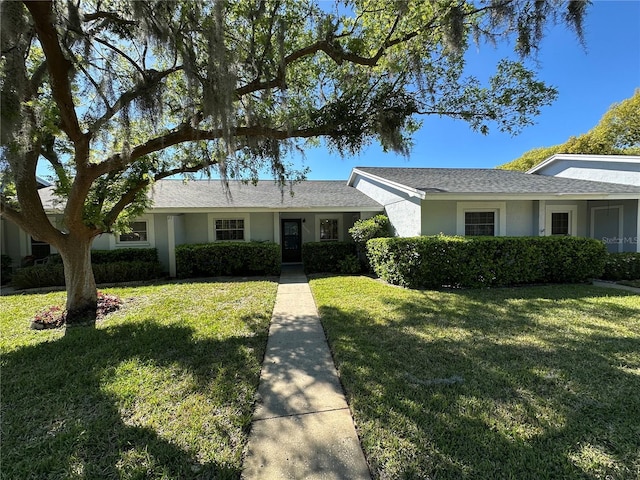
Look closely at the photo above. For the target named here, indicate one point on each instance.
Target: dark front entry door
(291, 241)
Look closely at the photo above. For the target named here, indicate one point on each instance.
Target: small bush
(228, 258)
(38, 276)
(5, 268)
(124, 255)
(350, 264)
(116, 272)
(364, 230)
(327, 257)
(622, 266)
(375, 227)
(433, 262)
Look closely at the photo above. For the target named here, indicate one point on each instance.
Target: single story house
(586, 196)
(589, 196)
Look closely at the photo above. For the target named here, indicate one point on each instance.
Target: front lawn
(520, 383)
(163, 388)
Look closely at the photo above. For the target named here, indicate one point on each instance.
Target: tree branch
(152, 78)
(57, 65)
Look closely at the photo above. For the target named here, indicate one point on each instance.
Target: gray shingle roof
(485, 180)
(266, 194)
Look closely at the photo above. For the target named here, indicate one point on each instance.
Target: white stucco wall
(438, 216)
(519, 218)
(597, 170)
(404, 211)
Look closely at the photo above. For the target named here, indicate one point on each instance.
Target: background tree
(117, 94)
(617, 133)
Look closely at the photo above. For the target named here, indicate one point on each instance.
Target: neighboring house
(17, 244)
(588, 196)
(600, 168)
(428, 201)
(200, 211)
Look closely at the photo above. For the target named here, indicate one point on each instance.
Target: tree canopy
(617, 133)
(117, 94)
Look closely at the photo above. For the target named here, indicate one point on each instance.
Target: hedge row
(124, 255)
(227, 258)
(115, 272)
(437, 261)
(330, 257)
(622, 266)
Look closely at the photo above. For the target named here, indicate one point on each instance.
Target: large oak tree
(117, 94)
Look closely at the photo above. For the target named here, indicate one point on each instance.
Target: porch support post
(276, 227)
(542, 217)
(171, 244)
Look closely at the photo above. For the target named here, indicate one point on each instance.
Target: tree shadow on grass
(61, 419)
(481, 387)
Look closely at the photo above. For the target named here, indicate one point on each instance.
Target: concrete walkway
(302, 427)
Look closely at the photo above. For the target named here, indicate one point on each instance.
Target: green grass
(162, 389)
(524, 383)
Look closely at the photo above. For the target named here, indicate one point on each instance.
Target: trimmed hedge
(109, 266)
(622, 266)
(114, 272)
(330, 257)
(437, 261)
(227, 258)
(124, 255)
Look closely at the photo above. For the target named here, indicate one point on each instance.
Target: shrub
(433, 262)
(5, 268)
(228, 258)
(365, 229)
(38, 276)
(350, 264)
(124, 255)
(327, 257)
(622, 266)
(116, 272)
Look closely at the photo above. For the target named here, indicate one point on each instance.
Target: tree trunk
(82, 296)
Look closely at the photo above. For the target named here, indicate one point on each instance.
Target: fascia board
(583, 158)
(525, 196)
(412, 192)
(179, 210)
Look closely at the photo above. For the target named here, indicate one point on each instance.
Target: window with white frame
(139, 233)
(328, 227)
(561, 219)
(329, 230)
(480, 223)
(560, 223)
(229, 229)
(481, 218)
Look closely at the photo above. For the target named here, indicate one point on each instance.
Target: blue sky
(589, 81)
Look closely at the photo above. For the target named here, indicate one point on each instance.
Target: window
(479, 223)
(329, 230)
(481, 218)
(561, 220)
(560, 223)
(229, 229)
(138, 233)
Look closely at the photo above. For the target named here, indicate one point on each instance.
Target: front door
(291, 241)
